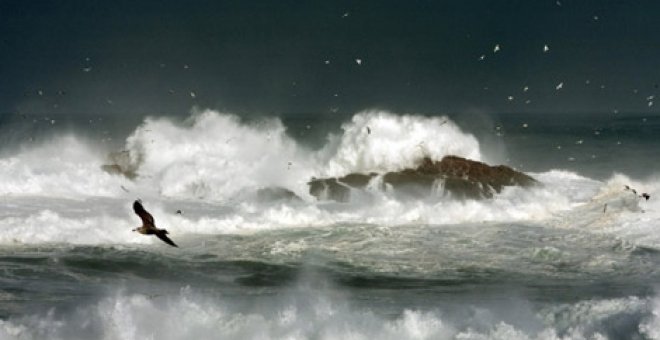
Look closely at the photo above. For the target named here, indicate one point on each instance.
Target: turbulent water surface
(577, 257)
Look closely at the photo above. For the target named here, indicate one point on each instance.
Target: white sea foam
(377, 141)
(79, 221)
(30, 220)
(218, 158)
(651, 325)
(64, 166)
(315, 315)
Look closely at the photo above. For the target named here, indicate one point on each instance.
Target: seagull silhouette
(148, 225)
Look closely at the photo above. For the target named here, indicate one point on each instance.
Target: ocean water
(576, 257)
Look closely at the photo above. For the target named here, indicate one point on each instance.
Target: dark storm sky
(269, 57)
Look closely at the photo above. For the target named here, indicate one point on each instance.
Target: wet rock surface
(456, 176)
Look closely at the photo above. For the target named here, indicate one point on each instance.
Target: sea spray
(212, 166)
(319, 314)
(216, 156)
(63, 166)
(379, 141)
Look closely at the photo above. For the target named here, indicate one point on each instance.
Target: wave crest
(379, 141)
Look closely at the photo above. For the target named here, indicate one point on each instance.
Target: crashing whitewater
(59, 202)
(218, 160)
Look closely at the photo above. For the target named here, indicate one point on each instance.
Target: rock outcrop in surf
(270, 194)
(121, 164)
(456, 176)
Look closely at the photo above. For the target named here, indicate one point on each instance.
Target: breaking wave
(217, 156)
(212, 165)
(327, 315)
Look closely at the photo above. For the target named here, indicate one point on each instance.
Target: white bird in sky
(559, 86)
(358, 61)
(482, 57)
(496, 48)
(546, 49)
(526, 88)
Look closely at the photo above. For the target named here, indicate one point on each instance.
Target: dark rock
(276, 194)
(122, 164)
(115, 169)
(338, 189)
(459, 177)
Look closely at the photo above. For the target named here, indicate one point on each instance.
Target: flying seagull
(148, 225)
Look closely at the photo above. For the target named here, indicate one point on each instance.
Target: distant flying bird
(526, 88)
(148, 225)
(368, 130)
(358, 61)
(482, 57)
(546, 49)
(559, 86)
(645, 195)
(496, 48)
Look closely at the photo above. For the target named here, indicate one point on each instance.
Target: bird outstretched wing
(162, 235)
(146, 217)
